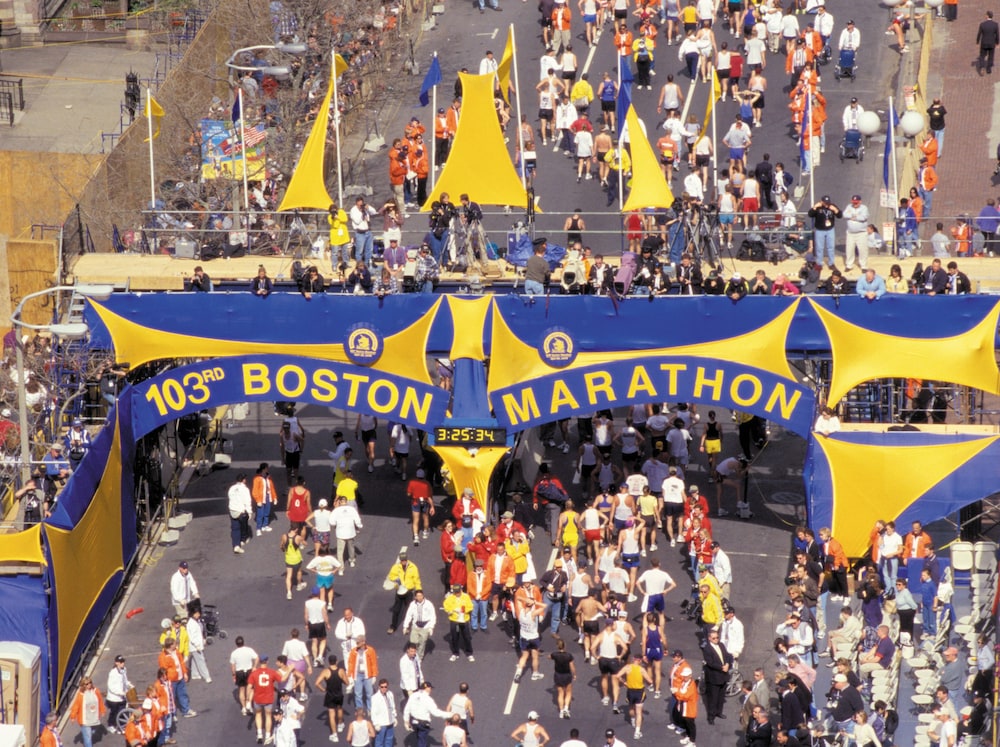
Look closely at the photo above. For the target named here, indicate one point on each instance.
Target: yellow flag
(339, 65)
(504, 68)
(649, 187)
(307, 187)
(713, 97)
(155, 112)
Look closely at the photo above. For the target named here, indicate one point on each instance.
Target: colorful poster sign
(221, 150)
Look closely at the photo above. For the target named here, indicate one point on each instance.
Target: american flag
(255, 135)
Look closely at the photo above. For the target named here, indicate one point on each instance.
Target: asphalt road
(462, 37)
(249, 593)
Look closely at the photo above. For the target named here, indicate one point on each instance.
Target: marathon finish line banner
(583, 390)
(270, 378)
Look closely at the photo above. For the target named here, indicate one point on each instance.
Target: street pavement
(249, 592)
(462, 37)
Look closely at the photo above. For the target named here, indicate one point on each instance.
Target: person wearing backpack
(550, 492)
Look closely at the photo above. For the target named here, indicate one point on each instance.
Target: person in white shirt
(850, 37)
(116, 693)
(240, 509)
(318, 623)
(346, 524)
(297, 654)
(242, 661)
(411, 674)
(655, 584)
(852, 115)
(184, 591)
(319, 523)
(824, 24)
(383, 714)
(890, 548)
(360, 216)
(731, 634)
(546, 63)
(419, 622)
(325, 566)
(347, 630)
(488, 64)
(722, 569)
(827, 422)
(454, 735)
(418, 712)
(196, 646)
(673, 505)
(574, 739)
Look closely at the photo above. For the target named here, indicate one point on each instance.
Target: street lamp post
(65, 331)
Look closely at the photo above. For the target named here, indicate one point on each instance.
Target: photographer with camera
(360, 216)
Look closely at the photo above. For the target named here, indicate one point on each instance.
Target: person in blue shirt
(906, 227)
(56, 469)
(928, 590)
(871, 285)
(988, 222)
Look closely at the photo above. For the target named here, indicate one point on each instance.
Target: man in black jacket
(718, 663)
(935, 279)
(987, 38)
(689, 277)
(958, 282)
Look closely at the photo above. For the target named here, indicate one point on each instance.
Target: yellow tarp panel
(469, 319)
(22, 547)
(513, 361)
(880, 482)
(861, 355)
(649, 187)
(85, 558)
(479, 163)
(472, 469)
(307, 187)
(136, 344)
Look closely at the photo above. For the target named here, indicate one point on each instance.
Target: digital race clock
(452, 435)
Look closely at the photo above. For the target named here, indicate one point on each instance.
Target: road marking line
(495, 32)
(552, 558)
(509, 705)
(687, 102)
(590, 58)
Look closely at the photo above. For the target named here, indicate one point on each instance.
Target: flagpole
(434, 114)
(891, 143)
(812, 154)
(336, 125)
(149, 125)
(715, 144)
(517, 93)
(243, 149)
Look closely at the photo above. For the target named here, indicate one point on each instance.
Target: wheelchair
(852, 146)
(846, 66)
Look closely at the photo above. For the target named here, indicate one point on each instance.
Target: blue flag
(432, 79)
(624, 94)
(804, 133)
(236, 109)
(889, 137)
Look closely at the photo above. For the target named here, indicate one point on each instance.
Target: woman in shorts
(649, 513)
(564, 672)
(727, 213)
(367, 430)
(628, 546)
(569, 529)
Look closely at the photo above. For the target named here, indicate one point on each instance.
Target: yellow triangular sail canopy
(479, 163)
(649, 187)
(307, 187)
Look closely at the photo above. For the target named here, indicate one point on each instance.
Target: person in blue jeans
(824, 214)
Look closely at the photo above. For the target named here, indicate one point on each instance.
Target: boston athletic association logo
(364, 344)
(557, 348)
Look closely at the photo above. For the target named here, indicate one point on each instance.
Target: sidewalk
(972, 129)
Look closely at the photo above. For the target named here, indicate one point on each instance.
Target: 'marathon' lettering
(619, 384)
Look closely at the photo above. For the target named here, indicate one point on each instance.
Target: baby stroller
(846, 67)
(210, 618)
(852, 146)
